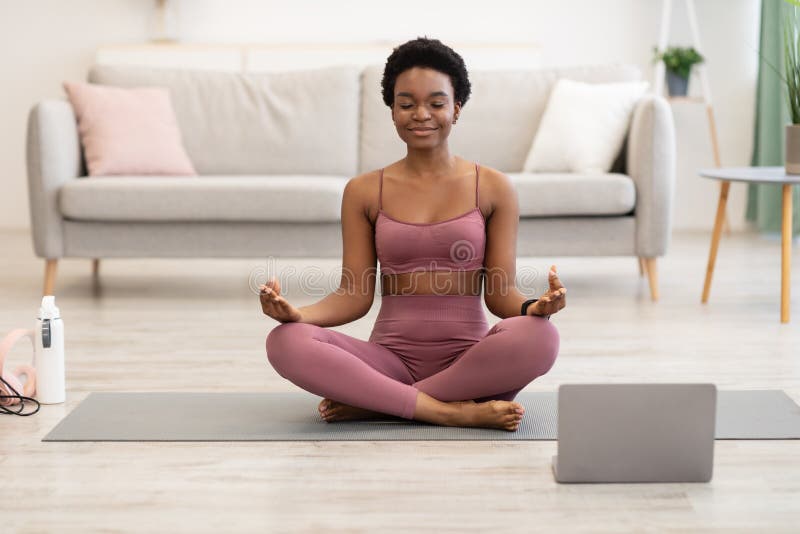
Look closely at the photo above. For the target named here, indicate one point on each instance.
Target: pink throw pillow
(128, 131)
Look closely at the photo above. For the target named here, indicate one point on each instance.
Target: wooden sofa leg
(652, 276)
(641, 266)
(95, 267)
(50, 276)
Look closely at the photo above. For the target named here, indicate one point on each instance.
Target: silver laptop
(635, 432)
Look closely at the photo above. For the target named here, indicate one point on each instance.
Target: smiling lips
(423, 131)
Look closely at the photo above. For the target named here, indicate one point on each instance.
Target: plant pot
(677, 85)
(792, 153)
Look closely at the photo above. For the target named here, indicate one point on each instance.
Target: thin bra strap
(477, 177)
(380, 192)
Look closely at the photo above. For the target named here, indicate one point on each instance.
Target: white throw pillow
(583, 126)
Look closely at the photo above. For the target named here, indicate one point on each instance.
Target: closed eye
(407, 106)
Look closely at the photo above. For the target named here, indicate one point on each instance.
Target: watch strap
(524, 310)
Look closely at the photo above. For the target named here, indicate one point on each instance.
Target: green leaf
(791, 56)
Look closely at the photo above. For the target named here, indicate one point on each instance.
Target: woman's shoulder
(362, 182)
(490, 172)
(493, 179)
(362, 192)
(496, 189)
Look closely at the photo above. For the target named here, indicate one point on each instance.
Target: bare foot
(332, 410)
(505, 415)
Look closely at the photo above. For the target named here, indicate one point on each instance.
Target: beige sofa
(275, 150)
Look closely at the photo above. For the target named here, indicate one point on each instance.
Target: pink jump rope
(12, 391)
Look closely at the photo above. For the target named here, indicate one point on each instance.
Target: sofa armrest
(53, 157)
(651, 165)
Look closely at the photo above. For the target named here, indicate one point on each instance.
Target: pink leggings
(438, 344)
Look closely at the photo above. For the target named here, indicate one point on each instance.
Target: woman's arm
(501, 294)
(356, 292)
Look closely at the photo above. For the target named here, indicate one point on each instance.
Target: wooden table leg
(50, 266)
(712, 255)
(712, 127)
(786, 252)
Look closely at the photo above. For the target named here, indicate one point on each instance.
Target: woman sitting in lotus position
(442, 227)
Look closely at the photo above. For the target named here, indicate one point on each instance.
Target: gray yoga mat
(757, 414)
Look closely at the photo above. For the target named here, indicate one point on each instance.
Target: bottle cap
(49, 310)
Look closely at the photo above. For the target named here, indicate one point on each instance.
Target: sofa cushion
(299, 122)
(308, 198)
(128, 131)
(496, 126)
(204, 198)
(564, 194)
(583, 126)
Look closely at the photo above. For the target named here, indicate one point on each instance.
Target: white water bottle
(49, 354)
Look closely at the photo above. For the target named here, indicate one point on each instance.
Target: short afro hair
(425, 52)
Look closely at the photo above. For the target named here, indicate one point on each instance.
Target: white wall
(42, 43)
(46, 41)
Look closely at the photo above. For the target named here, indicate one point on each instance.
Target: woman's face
(424, 108)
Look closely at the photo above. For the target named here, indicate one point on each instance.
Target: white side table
(757, 175)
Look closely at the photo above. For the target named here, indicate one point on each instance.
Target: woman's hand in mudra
(274, 305)
(554, 299)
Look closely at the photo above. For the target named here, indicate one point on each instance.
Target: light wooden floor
(193, 325)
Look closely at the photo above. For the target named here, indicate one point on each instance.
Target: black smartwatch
(527, 303)
(525, 306)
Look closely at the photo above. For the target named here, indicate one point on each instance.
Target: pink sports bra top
(455, 244)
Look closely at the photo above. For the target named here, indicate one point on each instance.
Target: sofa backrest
(299, 122)
(332, 121)
(496, 126)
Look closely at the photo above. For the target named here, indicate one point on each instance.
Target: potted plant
(791, 57)
(678, 61)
